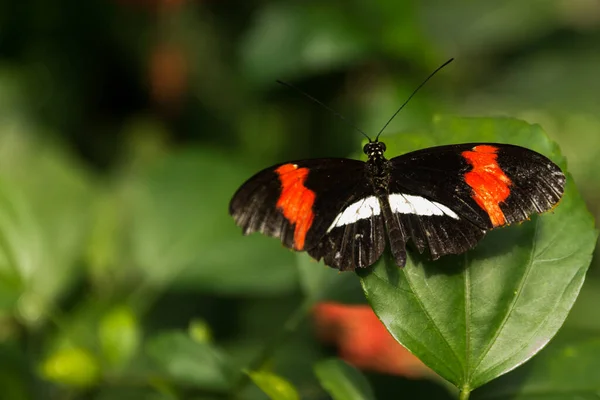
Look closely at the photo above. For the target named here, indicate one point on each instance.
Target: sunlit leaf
(119, 334)
(71, 366)
(478, 315)
(200, 331)
(342, 381)
(276, 387)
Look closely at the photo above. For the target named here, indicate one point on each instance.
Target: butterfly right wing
(448, 197)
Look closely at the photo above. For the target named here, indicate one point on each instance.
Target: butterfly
(442, 199)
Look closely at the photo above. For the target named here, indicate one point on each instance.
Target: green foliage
(312, 37)
(319, 282)
(276, 387)
(200, 331)
(180, 229)
(71, 366)
(126, 126)
(184, 361)
(564, 370)
(476, 316)
(44, 217)
(342, 381)
(119, 335)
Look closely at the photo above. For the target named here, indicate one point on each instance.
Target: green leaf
(71, 366)
(44, 215)
(119, 335)
(182, 232)
(189, 362)
(200, 331)
(105, 241)
(476, 316)
(562, 371)
(342, 381)
(310, 37)
(276, 387)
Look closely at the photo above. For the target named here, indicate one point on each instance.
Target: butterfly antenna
(337, 114)
(413, 93)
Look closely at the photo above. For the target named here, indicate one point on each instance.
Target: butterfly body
(442, 199)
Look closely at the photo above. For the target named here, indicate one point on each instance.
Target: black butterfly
(443, 199)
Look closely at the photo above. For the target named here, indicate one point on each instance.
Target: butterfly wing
(298, 202)
(356, 237)
(447, 197)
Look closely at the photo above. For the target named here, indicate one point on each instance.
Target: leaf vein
(436, 329)
(467, 318)
(515, 299)
(540, 326)
(556, 259)
(550, 244)
(430, 318)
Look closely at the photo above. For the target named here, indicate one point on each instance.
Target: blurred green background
(126, 126)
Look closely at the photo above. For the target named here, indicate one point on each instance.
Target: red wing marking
(489, 183)
(296, 201)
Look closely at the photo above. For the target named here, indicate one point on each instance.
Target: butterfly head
(374, 149)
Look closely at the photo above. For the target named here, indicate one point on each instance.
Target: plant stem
(465, 392)
(289, 327)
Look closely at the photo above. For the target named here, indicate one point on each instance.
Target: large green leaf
(44, 215)
(182, 233)
(563, 371)
(478, 315)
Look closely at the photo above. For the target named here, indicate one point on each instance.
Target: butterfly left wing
(301, 203)
(447, 197)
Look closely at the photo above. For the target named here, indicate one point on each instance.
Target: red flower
(363, 341)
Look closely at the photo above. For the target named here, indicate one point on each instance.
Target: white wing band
(399, 203)
(362, 209)
(408, 204)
